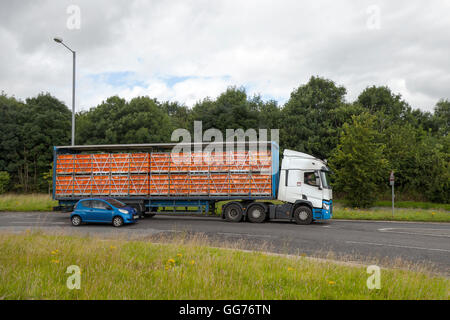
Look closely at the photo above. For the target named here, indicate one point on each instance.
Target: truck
(247, 179)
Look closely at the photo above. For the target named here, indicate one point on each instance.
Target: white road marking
(397, 246)
(417, 233)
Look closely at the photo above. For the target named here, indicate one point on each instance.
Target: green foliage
(4, 181)
(28, 133)
(115, 121)
(358, 161)
(312, 117)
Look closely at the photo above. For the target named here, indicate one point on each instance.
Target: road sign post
(391, 182)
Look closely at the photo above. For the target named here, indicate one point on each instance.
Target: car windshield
(325, 177)
(116, 203)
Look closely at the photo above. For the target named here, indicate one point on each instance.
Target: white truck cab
(304, 179)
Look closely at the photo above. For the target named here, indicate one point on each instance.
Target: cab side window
(310, 179)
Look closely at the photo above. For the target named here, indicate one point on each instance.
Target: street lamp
(60, 40)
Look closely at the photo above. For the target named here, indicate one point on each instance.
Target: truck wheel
(117, 221)
(303, 215)
(256, 213)
(233, 212)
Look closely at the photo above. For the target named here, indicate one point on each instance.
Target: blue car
(103, 210)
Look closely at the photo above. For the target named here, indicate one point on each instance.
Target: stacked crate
(164, 174)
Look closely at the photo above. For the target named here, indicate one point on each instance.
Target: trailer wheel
(233, 212)
(303, 215)
(257, 213)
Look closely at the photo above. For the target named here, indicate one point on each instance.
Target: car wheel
(76, 221)
(233, 212)
(303, 215)
(256, 213)
(117, 221)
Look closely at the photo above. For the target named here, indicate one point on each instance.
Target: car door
(100, 211)
(83, 209)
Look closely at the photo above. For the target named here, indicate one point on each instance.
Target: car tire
(117, 221)
(76, 220)
(233, 212)
(303, 215)
(256, 213)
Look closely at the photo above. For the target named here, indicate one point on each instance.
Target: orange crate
(239, 184)
(159, 162)
(119, 162)
(118, 185)
(159, 184)
(219, 184)
(139, 184)
(82, 185)
(100, 185)
(179, 184)
(180, 162)
(139, 162)
(101, 163)
(82, 163)
(64, 185)
(199, 184)
(64, 164)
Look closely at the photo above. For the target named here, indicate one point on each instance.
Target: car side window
(86, 204)
(311, 179)
(98, 204)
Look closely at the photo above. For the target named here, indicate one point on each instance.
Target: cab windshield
(325, 177)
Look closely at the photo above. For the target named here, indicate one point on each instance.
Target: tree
(358, 161)
(4, 181)
(309, 120)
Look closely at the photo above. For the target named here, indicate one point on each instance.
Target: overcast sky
(187, 50)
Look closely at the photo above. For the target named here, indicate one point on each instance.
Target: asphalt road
(362, 241)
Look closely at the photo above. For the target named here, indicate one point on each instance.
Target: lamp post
(60, 40)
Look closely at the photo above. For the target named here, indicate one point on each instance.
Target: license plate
(135, 217)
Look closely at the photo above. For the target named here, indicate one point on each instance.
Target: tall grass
(26, 202)
(33, 266)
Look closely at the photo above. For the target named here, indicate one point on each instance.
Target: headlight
(326, 206)
(123, 211)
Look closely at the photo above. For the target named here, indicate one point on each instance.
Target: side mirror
(108, 208)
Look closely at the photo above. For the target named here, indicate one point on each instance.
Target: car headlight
(123, 211)
(326, 206)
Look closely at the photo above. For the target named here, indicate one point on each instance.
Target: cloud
(187, 50)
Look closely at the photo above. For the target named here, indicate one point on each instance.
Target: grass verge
(33, 266)
(26, 202)
(386, 214)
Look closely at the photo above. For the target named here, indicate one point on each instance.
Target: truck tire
(257, 213)
(233, 212)
(303, 215)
